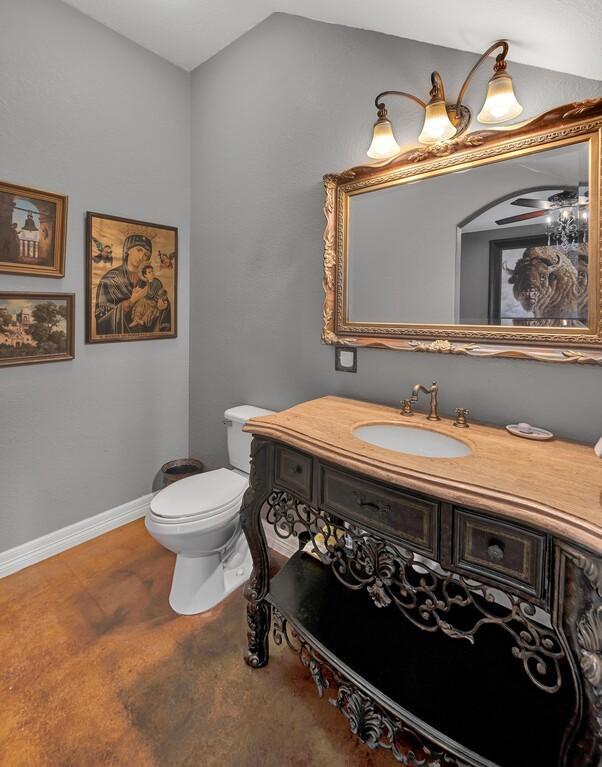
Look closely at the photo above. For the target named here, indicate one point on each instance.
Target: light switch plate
(345, 359)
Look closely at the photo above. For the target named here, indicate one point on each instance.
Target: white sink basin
(411, 439)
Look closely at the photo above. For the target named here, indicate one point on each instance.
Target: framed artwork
(33, 230)
(522, 271)
(131, 280)
(36, 327)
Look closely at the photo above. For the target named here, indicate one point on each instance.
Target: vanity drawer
(399, 515)
(500, 551)
(293, 471)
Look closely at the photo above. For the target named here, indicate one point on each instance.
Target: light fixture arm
(500, 66)
(382, 109)
(437, 90)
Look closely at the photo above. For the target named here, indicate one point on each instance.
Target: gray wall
(85, 112)
(288, 102)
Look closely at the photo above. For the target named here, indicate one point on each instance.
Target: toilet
(198, 519)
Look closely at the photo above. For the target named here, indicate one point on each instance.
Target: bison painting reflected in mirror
(545, 281)
(538, 285)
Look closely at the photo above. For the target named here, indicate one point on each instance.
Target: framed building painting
(33, 230)
(36, 327)
(132, 280)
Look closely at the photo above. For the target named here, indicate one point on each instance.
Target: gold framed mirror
(486, 245)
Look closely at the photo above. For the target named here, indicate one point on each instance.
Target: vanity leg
(258, 609)
(578, 616)
(259, 616)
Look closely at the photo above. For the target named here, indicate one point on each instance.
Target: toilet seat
(201, 497)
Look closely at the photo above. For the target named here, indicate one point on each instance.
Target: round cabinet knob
(298, 469)
(495, 550)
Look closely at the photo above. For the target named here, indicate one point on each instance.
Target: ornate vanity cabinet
(452, 608)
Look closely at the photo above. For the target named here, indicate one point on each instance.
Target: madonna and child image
(132, 280)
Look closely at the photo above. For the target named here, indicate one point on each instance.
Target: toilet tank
(239, 441)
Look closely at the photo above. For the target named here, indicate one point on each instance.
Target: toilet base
(201, 583)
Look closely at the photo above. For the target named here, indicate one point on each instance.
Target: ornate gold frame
(571, 123)
(60, 201)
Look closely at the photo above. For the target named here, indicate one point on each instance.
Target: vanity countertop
(556, 485)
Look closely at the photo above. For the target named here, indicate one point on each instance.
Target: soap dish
(529, 432)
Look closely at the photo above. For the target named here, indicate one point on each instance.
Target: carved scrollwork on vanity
(374, 726)
(579, 608)
(424, 592)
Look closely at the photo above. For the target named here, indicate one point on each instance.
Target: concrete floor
(95, 669)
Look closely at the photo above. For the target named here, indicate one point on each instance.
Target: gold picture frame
(567, 124)
(33, 231)
(130, 304)
(36, 327)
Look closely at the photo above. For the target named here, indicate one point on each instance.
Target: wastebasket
(181, 468)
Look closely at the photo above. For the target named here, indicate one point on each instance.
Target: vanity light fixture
(443, 121)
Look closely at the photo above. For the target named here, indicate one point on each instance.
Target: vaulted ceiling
(562, 35)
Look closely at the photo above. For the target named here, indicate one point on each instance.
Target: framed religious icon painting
(33, 227)
(131, 282)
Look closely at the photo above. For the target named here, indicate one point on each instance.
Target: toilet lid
(203, 495)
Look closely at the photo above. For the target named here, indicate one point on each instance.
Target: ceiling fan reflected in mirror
(566, 216)
(567, 198)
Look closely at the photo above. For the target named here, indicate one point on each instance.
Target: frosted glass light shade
(383, 143)
(437, 125)
(500, 103)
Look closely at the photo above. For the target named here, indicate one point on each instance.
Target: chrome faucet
(433, 390)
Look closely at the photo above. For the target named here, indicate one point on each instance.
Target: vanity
(450, 607)
(447, 592)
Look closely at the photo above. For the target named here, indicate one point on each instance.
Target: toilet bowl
(198, 519)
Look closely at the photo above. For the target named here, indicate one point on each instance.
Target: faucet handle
(461, 421)
(406, 407)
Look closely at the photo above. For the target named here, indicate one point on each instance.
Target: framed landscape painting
(132, 280)
(33, 226)
(36, 327)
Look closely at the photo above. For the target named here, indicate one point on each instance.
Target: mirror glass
(504, 243)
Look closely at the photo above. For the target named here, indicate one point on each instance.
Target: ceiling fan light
(437, 125)
(383, 144)
(500, 103)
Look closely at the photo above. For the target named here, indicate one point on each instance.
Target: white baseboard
(287, 546)
(13, 560)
